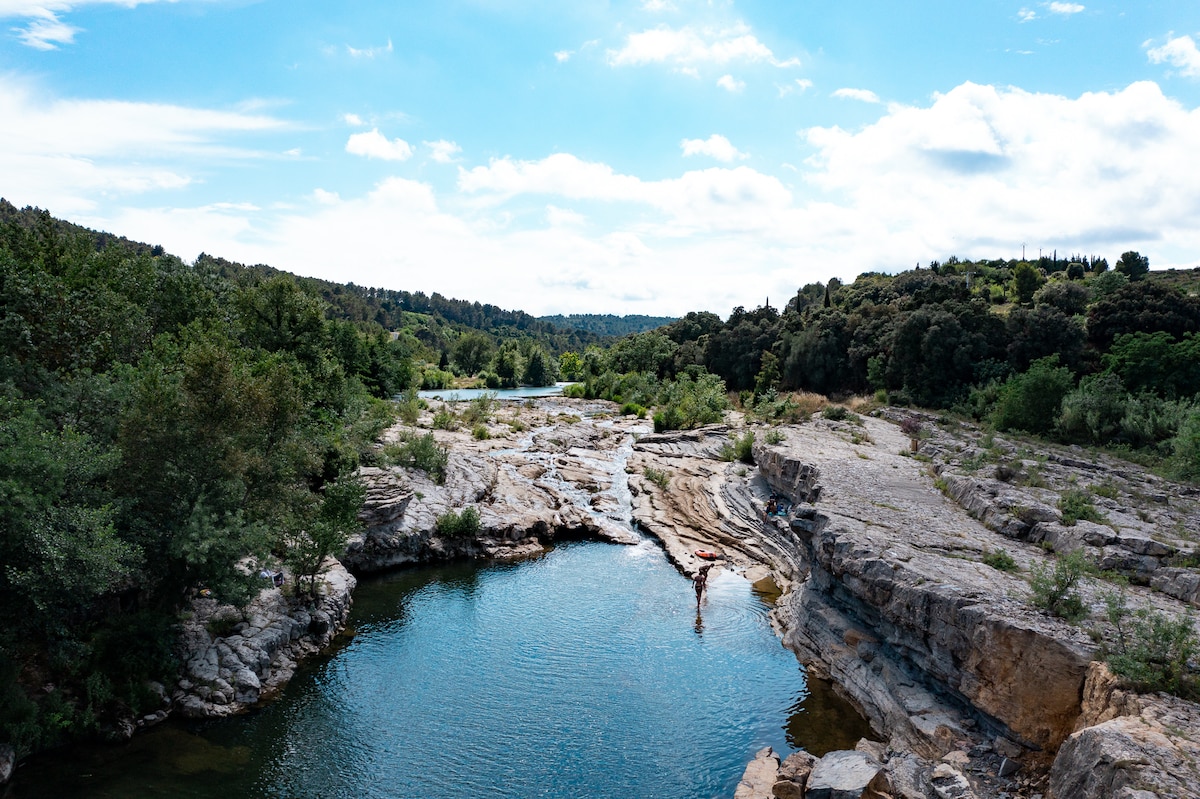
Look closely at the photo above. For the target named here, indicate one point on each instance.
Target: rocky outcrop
(235, 658)
(551, 471)
(1129, 745)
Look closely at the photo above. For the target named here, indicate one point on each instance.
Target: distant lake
(463, 394)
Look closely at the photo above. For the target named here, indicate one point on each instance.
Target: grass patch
(1075, 504)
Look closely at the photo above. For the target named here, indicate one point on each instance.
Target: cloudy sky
(628, 156)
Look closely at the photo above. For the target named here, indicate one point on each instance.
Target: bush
(1053, 590)
(480, 432)
(658, 477)
(1076, 504)
(1186, 448)
(479, 410)
(445, 419)
(742, 449)
(691, 402)
(463, 524)
(408, 406)
(835, 413)
(435, 379)
(774, 436)
(633, 409)
(1153, 650)
(1031, 401)
(1000, 560)
(420, 452)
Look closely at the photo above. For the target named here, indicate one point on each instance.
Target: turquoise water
(584, 673)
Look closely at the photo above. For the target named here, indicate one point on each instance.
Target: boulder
(842, 775)
(8, 760)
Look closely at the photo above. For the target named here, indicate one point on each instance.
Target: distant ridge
(609, 324)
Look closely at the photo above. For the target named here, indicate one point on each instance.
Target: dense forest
(609, 324)
(1068, 349)
(168, 428)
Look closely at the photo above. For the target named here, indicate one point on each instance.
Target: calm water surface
(585, 673)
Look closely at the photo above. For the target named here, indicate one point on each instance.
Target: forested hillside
(609, 324)
(1068, 349)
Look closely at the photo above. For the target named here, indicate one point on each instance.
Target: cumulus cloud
(373, 144)
(1180, 52)
(562, 56)
(1066, 9)
(442, 151)
(862, 95)
(730, 83)
(690, 46)
(715, 146)
(353, 120)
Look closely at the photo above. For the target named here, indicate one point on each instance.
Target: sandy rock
(760, 776)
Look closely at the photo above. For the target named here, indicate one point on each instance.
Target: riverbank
(884, 588)
(878, 568)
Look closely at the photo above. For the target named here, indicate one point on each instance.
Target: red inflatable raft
(706, 555)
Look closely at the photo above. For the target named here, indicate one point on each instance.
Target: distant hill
(608, 324)
(1185, 280)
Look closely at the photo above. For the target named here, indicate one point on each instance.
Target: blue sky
(649, 156)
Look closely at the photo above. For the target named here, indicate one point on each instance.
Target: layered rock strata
(226, 672)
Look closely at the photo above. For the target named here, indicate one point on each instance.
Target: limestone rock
(842, 775)
(759, 777)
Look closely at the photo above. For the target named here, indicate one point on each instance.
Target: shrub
(479, 410)
(774, 436)
(1031, 401)
(742, 449)
(1186, 447)
(835, 413)
(1076, 504)
(690, 402)
(1152, 650)
(633, 409)
(1000, 560)
(408, 406)
(420, 452)
(480, 432)
(1054, 590)
(658, 477)
(463, 524)
(445, 419)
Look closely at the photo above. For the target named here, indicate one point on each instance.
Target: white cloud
(1026, 15)
(66, 154)
(370, 52)
(443, 151)
(353, 120)
(689, 46)
(715, 146)
(1066, 9)
(562, 56)
(798, 86)
(45, 29)
(373, 144)
(862, 95)
(1180, 52)
(563, 217)
(656, 6)
(730, 83)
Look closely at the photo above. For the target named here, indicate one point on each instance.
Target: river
(585, 672)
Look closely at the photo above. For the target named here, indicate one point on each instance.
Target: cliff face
(884, 588)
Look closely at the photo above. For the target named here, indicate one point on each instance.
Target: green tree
(472, 352)
(1031, 401)
(1133, 265)
(571, 366)
(1026, 281)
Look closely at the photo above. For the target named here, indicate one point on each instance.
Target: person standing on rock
(701, 582)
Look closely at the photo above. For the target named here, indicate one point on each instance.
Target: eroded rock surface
(224, 673)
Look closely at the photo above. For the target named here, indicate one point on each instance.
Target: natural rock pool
(586, 672)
